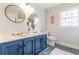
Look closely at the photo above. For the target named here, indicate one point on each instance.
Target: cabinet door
(44, 44)
(12, 48)
(0, 50)
(28, 46)
(38, 44)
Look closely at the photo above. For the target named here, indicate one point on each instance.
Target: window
(36, 20)
(69, 18)
(36, 23)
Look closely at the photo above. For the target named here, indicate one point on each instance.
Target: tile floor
(58, 51)
(54, 51)
(68, 49)
(46, 51)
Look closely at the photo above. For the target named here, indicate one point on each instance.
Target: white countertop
(8, 38)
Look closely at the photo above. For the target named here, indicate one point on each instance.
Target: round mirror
(14, 13)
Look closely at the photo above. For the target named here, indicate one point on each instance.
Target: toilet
(51, 40)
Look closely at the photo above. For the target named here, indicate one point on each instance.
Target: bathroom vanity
(25, 45)
(21, 43)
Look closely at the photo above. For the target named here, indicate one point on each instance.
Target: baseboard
(68, 45)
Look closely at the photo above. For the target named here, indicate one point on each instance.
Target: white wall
(65, 35)
(42, 17)
(7, 26)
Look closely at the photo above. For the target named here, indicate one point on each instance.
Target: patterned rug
(46, 51)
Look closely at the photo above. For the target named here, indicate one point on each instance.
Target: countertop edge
(19, 38)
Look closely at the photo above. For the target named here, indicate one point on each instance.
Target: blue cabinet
(44, 41)
(12, 48)
(40, 43)
(0, 50)
(34, 45)
(37, 44)
(28, 46)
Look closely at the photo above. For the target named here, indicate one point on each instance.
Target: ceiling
(48, 5)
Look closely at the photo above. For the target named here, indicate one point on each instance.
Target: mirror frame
(8, 16)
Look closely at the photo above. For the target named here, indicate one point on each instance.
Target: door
(44, 44)
(12, 48)
(28, 46)
(38, 44)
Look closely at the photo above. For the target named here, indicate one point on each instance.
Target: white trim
(69, 45)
